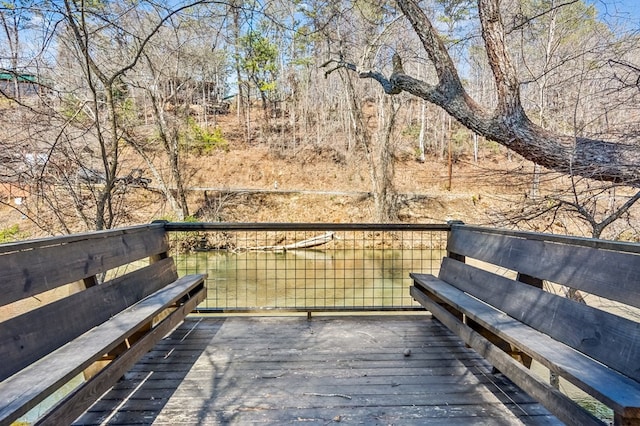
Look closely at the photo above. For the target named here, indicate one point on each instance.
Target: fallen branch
(311, 242)
(340, 395)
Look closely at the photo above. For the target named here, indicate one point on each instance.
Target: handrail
(275, 226)
(65, 239)
(623, 246)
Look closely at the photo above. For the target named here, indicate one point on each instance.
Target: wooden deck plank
(404, 415)
(276, 370)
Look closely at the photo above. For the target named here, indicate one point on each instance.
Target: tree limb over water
(508, 124)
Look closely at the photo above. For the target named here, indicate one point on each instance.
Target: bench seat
(492, 291)
(25, 389)
(607, 385)
(90, 304)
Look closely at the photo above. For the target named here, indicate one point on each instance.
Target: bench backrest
(40, 270)
(606, 269)
(603, 268)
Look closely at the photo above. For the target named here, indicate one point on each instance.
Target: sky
(627, 10)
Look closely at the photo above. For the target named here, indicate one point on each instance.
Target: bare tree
(368, 29)
(574, 204)
(176, 76)
(507, 124)
(77, 141)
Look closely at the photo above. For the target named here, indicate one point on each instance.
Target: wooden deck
(345, 369)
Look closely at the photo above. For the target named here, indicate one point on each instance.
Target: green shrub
(11, 234)
(204, 141)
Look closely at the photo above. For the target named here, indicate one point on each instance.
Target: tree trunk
(475, 148)
(169, 139)
(378, 151)
(387, 205)
(423, 131)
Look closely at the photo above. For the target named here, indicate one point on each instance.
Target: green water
(310, 279)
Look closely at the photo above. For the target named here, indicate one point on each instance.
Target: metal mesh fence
(305, 267)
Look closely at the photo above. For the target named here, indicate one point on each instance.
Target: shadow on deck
(348, 369)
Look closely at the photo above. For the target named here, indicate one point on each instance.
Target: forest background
(123, 112)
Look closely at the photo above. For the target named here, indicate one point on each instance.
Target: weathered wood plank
(406, 415)
(71, 238)
(30, 336)
(302, 379)
(24, 390)
(267, 398)
(610, 274)
(157, 386)
(295, 357)
(599, 334)
(620, 246)
(76, 403)
(615, 390)
(554, 400)
(445, 368)
(29, 272)
(434, 384)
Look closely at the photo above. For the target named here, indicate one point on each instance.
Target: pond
(310, 279)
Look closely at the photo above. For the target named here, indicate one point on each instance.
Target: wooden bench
(72, 304)
(490, 292)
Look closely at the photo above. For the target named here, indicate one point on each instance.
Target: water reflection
(310, 279)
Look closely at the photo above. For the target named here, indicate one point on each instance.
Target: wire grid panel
(308, 270)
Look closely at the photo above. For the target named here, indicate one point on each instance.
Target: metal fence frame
(414, 248)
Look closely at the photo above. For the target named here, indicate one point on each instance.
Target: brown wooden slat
(30, 336)
(617, 391)
(558, 403)
(30, 272)
(24, 390)
(610, 274)
(599, 334)
(76, 403)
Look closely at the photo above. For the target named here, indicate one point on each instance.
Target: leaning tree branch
(508, 124)
(337, 64)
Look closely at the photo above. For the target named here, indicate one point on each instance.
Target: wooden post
(451, 254)
(526, 360)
